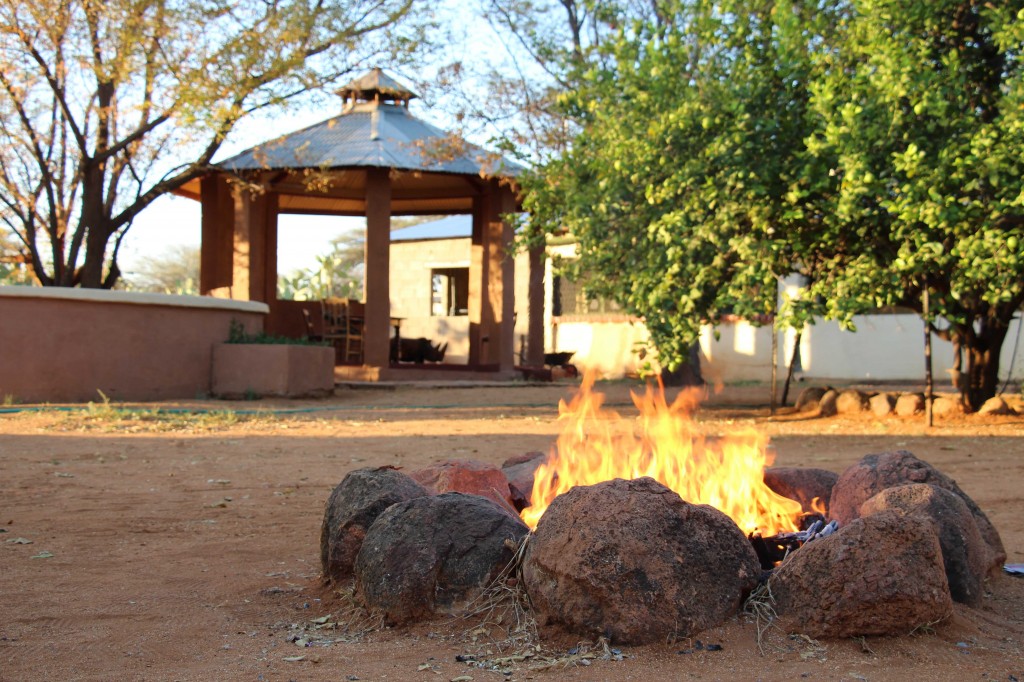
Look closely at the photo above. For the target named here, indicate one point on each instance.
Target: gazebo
(375, 160)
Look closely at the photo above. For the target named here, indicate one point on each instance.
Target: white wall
(884, 348)
(887, 347)
(610, 348)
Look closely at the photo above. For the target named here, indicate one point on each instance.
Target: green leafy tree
(872, 147)
(922, 107)
(105, 105)
(678, 186)
(338, 274)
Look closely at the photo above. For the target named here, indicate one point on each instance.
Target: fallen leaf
(218, 481)
(43, 555)
(20, 541)
(293, 659)
(61, 474)
(321, 620)
(461, 678)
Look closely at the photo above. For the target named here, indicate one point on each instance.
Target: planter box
(249, 370)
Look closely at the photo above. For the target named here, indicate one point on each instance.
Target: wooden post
(502, 280)
(270, 249)
(491, 281)
(480, 313)
(928, 387)
(535, 334)
(249, 247)
(377, 330)
(218, 226)
(775, 364)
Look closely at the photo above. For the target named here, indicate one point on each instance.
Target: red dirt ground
(171, 547)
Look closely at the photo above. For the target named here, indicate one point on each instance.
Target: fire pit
(650, 530)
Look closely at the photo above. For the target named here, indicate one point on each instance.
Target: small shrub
(237, 334)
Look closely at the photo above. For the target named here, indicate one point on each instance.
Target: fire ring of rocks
(884, 548)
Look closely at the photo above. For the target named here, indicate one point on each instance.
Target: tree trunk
(983, 362)
(95, 220)
(792, 365)
(688, 373)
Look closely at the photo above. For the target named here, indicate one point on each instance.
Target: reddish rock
(997, 406)
(874, 473)
(851, 401)
(802, 484)
(882, 404)
(964, 553)
(809, 398)
(434, 555)
(466, 476)
(878, 575)
(632, 561)
(353, 506)
(827, 405)
(910, 404)
(947, 406)
(519, 471)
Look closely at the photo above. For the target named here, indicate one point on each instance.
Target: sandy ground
(137, 546)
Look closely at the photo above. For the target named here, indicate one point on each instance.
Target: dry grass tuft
(504, 606)
(352, 621)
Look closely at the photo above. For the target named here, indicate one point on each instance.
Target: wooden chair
(343, 329)
(311, 332)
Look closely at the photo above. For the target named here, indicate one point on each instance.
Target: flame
(727, 472)
(818, 507)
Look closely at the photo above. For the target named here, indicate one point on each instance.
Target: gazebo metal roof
(373, 133)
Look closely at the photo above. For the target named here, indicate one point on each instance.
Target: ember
(726, 472)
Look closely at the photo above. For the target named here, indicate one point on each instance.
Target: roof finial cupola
(374, 88)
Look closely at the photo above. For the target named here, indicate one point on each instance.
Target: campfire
(650, 529)
(668, 445)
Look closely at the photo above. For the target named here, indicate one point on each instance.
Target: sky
(172, 221)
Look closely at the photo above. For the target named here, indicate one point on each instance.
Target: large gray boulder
(351, 509)
(433, 555)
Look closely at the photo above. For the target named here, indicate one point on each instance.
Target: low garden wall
(67, 345)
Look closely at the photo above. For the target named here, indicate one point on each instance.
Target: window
(449, 292)
(570, 298)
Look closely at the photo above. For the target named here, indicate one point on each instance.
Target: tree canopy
(107, 104)
(871, 146)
